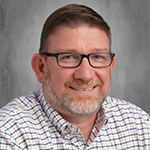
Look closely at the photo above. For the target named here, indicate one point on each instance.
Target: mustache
(80, 82)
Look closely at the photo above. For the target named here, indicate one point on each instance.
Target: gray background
(20, 28)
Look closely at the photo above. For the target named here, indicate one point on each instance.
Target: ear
(112, 65)
(38, 64)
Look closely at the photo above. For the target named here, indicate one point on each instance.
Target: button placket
(73, 135)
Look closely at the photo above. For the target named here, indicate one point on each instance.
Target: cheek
(59, 78)
(105, 77)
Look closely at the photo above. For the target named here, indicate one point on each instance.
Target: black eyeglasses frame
(82, 56)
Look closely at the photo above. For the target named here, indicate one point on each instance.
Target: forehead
(78, 38)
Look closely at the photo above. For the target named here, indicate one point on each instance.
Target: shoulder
(20, 108)
(125, 110)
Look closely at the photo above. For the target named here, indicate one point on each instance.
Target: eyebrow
(101, 50)
(76, 51)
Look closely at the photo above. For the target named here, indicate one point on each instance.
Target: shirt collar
(106, 108)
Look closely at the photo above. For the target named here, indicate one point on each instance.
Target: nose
(84, 72)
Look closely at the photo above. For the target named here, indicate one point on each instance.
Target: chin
(83, 105)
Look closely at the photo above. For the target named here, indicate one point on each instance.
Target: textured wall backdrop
(20, 27)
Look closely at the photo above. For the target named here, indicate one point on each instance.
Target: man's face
(80, 90)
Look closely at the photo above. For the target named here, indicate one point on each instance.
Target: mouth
(82, 89)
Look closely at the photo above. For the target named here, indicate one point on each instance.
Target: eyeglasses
(73, 60)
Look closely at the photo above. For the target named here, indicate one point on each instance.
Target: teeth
(80, 89)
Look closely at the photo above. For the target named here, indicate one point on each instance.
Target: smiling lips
(80, 85)
(83, 89)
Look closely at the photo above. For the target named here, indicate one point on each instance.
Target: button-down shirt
(29, 122)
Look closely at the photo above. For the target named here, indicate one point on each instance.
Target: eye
(68, 57)
(98, 57)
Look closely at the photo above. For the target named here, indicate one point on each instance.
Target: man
(73, 109)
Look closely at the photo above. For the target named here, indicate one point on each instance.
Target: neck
(84, 122)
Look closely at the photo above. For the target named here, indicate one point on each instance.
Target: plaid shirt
(29, 122)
